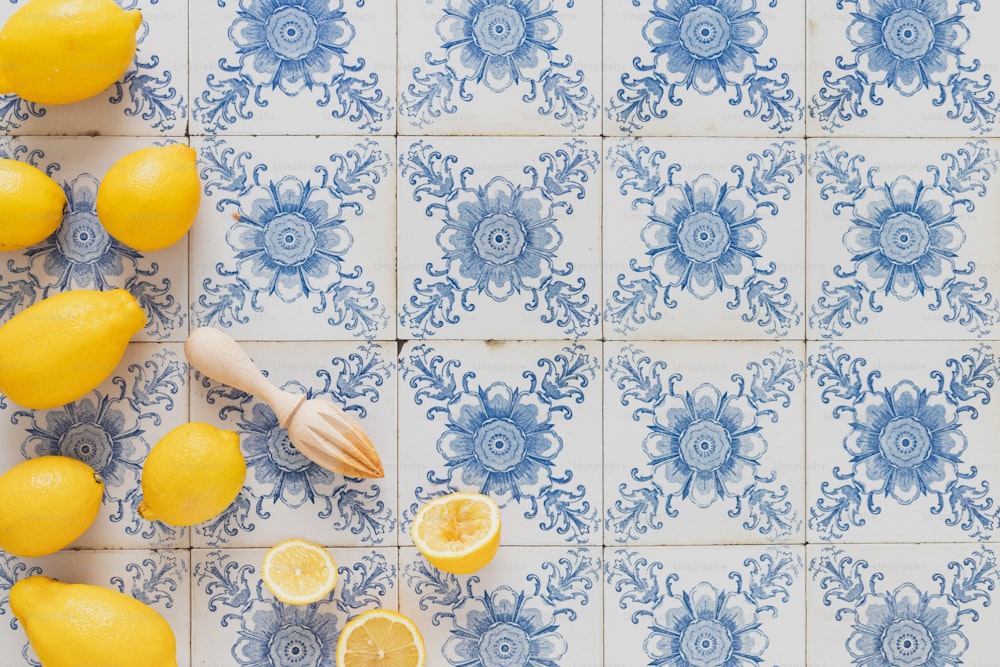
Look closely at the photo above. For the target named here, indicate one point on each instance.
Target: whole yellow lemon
(31, 205)
(192, 474)
(46, 503)
(80, 625)
(57, 350)
(148, 200)
(63, 51)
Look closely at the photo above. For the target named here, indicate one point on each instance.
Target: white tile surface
(336, 213)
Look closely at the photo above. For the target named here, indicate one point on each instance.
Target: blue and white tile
(518, 421)
(149, 99)
(901, 441)
(499, 239)
(915, 69)
(733, 605)
(296, 67)
(902, 239)
(471, 67)
(159, 579)
(295, 238)
(80, 254)
(529, 606)
(235, 619)
(285, 494)
(677, 67)
(894, 604)
(112, 430)
(704, 442)
(704, 238)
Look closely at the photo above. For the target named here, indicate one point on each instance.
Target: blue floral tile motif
(112, 430)
(156, 578)
(80, 254)
(147, 90)
(905, 441)
(292, 48)
(282, 484)
(504, 440)
(905, 240)
(704, 623)
(292, 240)
(908, 624)
(705, 444)
(704, 237)
(902, 48)
(241, 615)
(500, 240)
(704, 47)
(491, 46)
(496, 626)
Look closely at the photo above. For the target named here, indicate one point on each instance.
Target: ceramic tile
(902, 242)
(260, 67)
(81, 254)
(285, 494)
(112, 430)
(149, 99)
(704, 605)
(237, 621)
(469, 67)
(887, 69)
(704, 238)
(894, 604)
(901, 442)
(295, 238)
(704, 442)
(499, 241)
(537, 606)
(158, 578)
(519, 421)
(674, 67)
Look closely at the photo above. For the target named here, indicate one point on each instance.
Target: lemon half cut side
(381, 638)
(458, 532)
(298, 571)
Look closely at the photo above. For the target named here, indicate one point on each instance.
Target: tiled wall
(701, 291)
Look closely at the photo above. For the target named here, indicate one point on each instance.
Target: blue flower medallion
(500, 239)
(292, 47)
(906, 626)
(291, 242)
(704, 625)
(499, 45)
(704, 237)
(907, 46)
(905, 442)
(706, 46)
(504, 440)
(905, 239)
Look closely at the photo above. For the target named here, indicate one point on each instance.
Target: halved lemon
(458, 532)
(380, 638)
(298, 571)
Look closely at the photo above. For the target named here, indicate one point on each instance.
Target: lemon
(57, 350)
(62, 51)
(148, 200)
(46, 503)
(458, 532)
(192, 474)
(31, 205)
(298, 571)
(79, 625)
(381, 638)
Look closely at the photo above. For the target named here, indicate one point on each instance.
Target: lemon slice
(380, 638)
(458, 532)
(298, 571)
